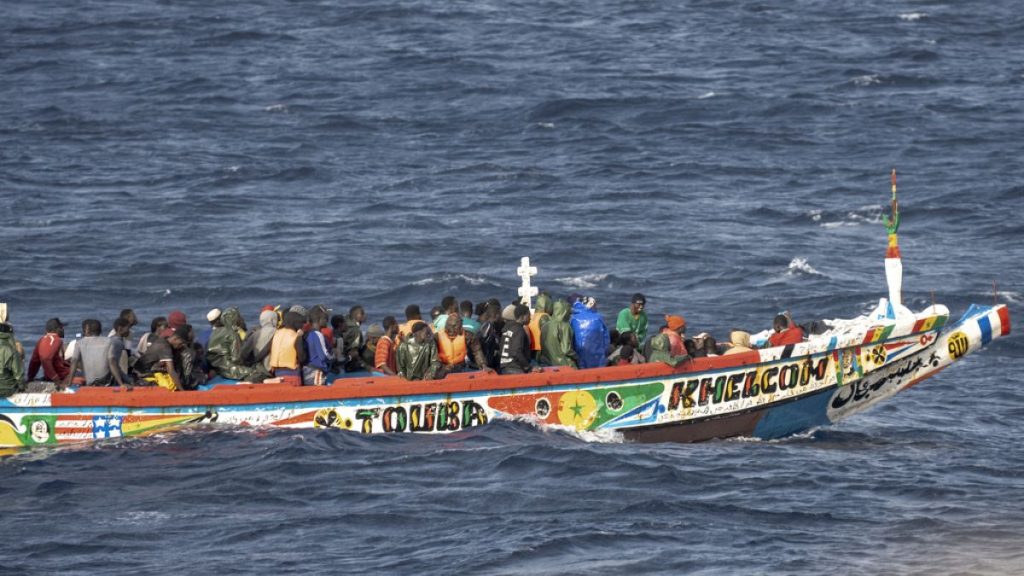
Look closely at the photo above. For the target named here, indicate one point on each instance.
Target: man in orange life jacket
(454, 344)
(286, 349)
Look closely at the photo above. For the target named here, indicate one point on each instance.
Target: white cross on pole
(526, 291)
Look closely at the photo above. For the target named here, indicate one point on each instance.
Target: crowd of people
(314, 346)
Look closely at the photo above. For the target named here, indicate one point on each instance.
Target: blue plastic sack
(590, 336)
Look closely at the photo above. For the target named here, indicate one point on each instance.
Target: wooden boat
(767, 393)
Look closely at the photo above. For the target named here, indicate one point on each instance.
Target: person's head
(55, 326)
(129, 315)
(453, 325)
(412, 312)
(590, 302)
(675, 323)
(522, 314)
(158, 324)
(213, 317)
(390, 326)
(508, 313)
(317, 317)
(420, 333)
(637, 303)
(449, 304)
(495, 302)
(293, 320)
(373, 334)
(780, 323)
(626, 352)
(357, 314)
(338, 323)
(466, 309)
(122, 327)
(268, 319)
(91, 327)
(176, 318)
(628, 338)
(481, 307)
(435, 312)
(739, 338)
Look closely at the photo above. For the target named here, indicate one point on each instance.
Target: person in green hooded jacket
(660, 353)
(417, 355)
(556, 338)
(12, 368)
(224, 351)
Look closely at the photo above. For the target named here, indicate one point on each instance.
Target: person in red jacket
(786, 332)
(49, 354)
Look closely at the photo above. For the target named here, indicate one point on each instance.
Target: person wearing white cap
(213, 317)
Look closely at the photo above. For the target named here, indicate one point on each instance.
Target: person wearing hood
(590, 334)
(417, 354)
(515, 344)
(224, 350)
(256, 348)
(660, 352)
(490, 334)
(556, 338)
(12, 369)
(739, 342)
(540, 317)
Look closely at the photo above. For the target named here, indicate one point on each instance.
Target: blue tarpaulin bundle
(590, 336)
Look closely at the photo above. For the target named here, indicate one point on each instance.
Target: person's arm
(35, 363)
(380, 357)
(76, 360)
(622, 321)
(300, 348)
(473, 343)
(168, 366)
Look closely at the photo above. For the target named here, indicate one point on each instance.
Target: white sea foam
(815, 215)
(801, 266)
(866, 80)
(1011, 297)
(584, 281)
(912, 16)
(547, 125)
(862, 215)
(276, 108)
(707, 95)
(471, 280)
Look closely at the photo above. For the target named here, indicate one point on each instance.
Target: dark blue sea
(728, 159)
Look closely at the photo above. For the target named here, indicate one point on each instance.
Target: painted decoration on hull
(48, 429)
(587, 408)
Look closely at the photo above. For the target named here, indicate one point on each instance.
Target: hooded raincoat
(224, 351)
(590, 336)
(556, 338)
(660, 353)
(540, 317)
(12, 369)
(417, 361)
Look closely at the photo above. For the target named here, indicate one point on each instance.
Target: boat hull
(762, 394)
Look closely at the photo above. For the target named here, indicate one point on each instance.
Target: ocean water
(729, 160)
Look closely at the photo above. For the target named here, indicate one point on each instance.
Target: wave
(448, 278)
(799, 266)
(583, 281)
(913, 16)
(871, 214)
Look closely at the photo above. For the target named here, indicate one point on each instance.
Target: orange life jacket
(282, 349)
(533, 328)
(451, 351)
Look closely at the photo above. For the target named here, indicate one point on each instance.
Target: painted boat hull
(764, 394)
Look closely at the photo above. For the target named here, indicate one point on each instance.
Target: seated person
(701, 345)
(94, 354)
(286, 348)
(157, 364)
(48, 354)
(625, 357)
(384, 360)
(417, 354)
(556, 338)
(12, 371)
(455, 344)
(224, 350)
(786, 332)
(660, 352)
(515, 344)
(739, 342)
